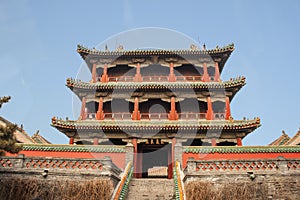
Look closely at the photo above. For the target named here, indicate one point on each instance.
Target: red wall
(117, 158)
(235, 156)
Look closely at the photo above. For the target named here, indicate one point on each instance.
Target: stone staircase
(151, 189)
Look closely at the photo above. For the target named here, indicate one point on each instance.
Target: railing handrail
(179, 187)
(155, 116)
(154, 78)
(122, 187)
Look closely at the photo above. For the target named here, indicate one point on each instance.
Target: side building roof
(22, 136)
(285, 140)
(295, 140)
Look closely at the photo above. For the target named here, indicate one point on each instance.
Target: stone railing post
(129, 149)
(178, 152)
(282, 164)
(191, 166)
(18, 161)
(107, 163)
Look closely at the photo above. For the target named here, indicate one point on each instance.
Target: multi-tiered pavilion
(156, 100)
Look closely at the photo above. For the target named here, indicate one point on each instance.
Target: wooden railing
(154, 78)
(192, 115)
(155, 116)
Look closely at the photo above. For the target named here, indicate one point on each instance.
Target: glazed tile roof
(39, 139)
(295, 140)
(186, 149)
(83, 51)
(73, 148)
(233, 83)
(285, 140)
(164, 126)
(244, 149)
(20, 134)
(281, 140)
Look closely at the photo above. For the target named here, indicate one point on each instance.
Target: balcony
(155, 78)
(156, 116)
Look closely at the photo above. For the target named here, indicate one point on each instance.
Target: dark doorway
(153, 156)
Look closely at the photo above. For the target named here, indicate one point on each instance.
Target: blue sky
(38, 52)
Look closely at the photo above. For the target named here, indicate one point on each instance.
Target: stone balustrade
(23, 165)
(264, 166)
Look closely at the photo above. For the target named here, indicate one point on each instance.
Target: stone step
(151, 189)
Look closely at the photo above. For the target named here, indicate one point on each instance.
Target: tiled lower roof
(186, 149)
(244, 149)
(74, 148)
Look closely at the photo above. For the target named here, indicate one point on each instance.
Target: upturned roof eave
(168, 125)
(88, 54)
(232, 85)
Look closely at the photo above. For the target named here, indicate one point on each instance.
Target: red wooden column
(94, 73)
(210, 112)
(217, 72)
(96, 141)
(170, 175)
(100, 113)
(71, 141)
(136, 113)
(170, 169)
(138, 76)
(205, 77)
(213, 142)
(135, 164)
(104, 78)
(139, 163)
(172, 77)
(173, 113)
(83, 113)
(227, 108)
(239, 141)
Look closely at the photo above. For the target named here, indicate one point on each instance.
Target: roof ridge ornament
(204, 47)
(106, 48)
(194, 47)
(120, 48)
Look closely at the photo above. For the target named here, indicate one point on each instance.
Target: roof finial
(37, 132)
(204, 47)
(106, 48)
(283, 132)
(120, 48)
(193, 47)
